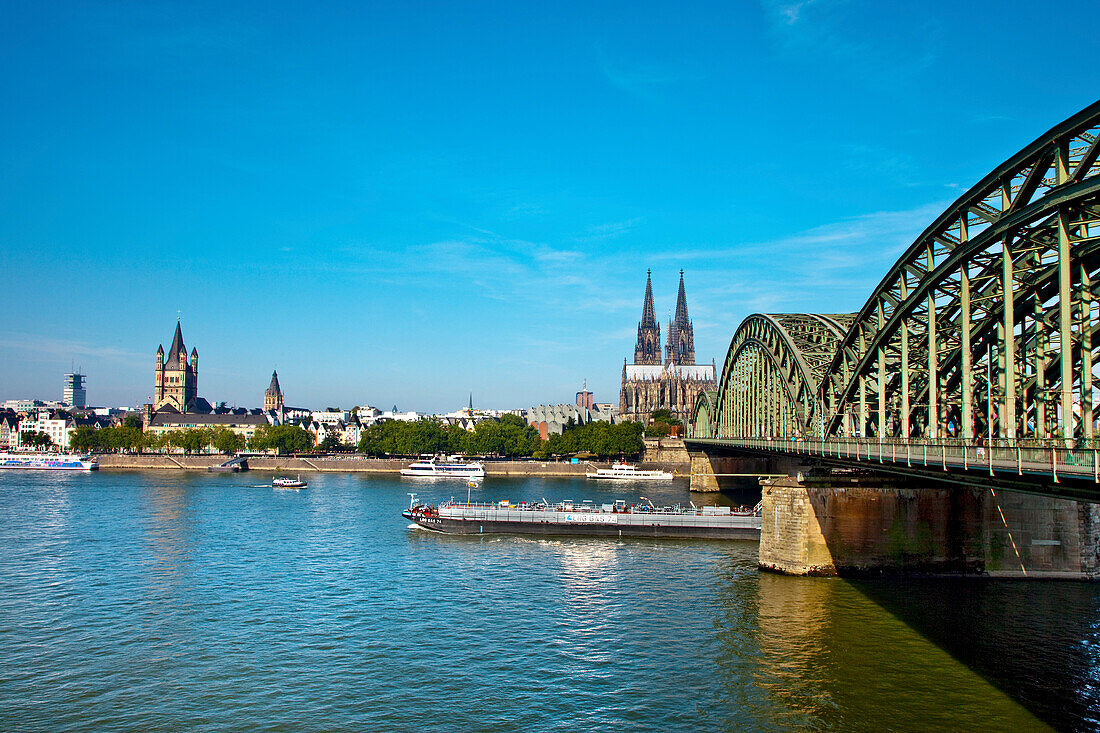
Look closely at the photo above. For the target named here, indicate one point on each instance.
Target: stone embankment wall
(353, 465)
(860, 525)
(665, 451)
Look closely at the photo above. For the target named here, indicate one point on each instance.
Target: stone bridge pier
(714, 470)
(848, 523)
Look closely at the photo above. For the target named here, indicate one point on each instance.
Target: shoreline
(333, 464)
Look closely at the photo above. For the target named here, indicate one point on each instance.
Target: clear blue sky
(403, 202)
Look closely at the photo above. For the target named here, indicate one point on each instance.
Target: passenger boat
(626, 472)
(48, 461)
(285, 482)
(609, 520)
(434, 469)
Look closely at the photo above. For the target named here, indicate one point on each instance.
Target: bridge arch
(771, 373)
(702, 418)
(984, 326)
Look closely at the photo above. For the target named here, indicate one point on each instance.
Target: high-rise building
(73, 393)
(647, 385)
(584, 397)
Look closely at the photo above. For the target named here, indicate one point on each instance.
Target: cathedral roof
(661, 371)
(177, 341)
(273, 388)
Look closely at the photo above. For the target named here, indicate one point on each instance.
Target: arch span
(984, 327)
(771, 373)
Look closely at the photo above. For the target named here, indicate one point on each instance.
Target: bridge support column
(833, 525)
(714, 472)
(702, 473)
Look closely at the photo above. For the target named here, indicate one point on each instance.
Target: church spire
(177, 341)
(681, 305)
(648, 316)
(648, 348)
(680, 348)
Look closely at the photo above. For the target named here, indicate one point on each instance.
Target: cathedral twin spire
(648, 348)
(680, 348)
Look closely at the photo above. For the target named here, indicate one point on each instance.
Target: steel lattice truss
(771, 374)
(939, 351)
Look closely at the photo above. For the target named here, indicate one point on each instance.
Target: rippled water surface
(165, 600)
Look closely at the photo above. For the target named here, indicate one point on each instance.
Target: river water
(174, 600)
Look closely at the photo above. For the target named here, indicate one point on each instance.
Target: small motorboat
(286, 482)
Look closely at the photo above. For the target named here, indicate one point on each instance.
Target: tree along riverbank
(354, 464)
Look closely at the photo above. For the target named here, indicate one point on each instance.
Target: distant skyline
(404, 203)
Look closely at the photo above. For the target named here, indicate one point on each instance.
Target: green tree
(35, 439)
(84, 439)
(191, 440)
(154, 441)
(132, 422)
(283, 438)
(331, 442)
(226, 441)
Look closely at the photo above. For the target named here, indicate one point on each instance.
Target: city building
(273, 396)
(73, 393)
(552, 419)
(57, 424)
(9, 431)
(584, 397)
(330, 417)
(169, 421)
(176, 380)
(649, 385)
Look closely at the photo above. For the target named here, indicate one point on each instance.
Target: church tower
(648, 348)
(175, 381)
(680, 348)
(273, 396)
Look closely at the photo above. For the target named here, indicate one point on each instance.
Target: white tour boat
(626, 472)
(286, 482)
(451, 469)
(48, 461)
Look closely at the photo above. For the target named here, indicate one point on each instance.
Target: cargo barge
(604, 520)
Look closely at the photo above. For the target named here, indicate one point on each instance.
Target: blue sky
(406, 202)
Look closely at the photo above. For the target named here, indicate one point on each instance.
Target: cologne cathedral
(648, 384)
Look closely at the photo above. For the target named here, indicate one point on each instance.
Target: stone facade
(273, 396)
(859, 525)
(649, 385)
(176, 381)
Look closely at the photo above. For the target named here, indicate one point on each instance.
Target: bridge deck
(1045, 463)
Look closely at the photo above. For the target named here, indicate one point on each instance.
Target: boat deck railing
(588, 508)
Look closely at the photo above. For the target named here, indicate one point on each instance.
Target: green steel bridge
(974, 355)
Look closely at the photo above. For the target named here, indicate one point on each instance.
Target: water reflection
(825, 655)
(1037, 641)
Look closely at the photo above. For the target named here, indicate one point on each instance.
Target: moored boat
(567, 518)
(48, 461)
(626, 472)
(444, 469)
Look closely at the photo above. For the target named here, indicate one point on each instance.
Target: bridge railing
(1003, 457)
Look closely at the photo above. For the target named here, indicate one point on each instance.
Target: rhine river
(192, 601)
